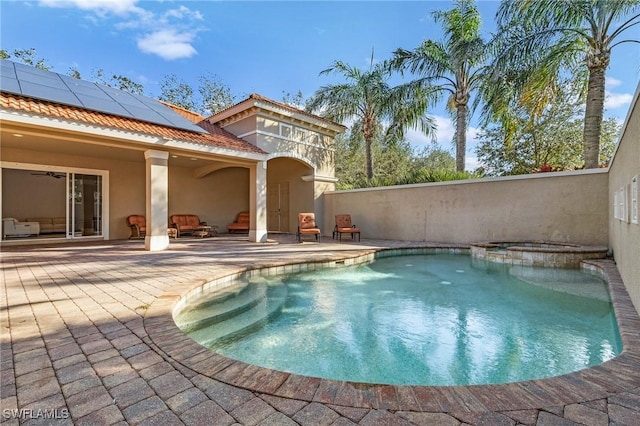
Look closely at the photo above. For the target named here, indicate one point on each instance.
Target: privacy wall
(624, 220)
(562, 207)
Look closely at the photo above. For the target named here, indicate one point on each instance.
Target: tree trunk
(368, 158)
(593, 117)
(461, 135)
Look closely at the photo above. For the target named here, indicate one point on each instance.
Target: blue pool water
(413, 320)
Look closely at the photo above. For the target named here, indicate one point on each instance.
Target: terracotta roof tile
(192, 116)
(283, 106)
(217, 137)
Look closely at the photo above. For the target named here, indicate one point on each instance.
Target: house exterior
(84, 157)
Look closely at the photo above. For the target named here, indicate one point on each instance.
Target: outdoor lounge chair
(307, 226)
(138, 225)
(241, 224)
(344, 226)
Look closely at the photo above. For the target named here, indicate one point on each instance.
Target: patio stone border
(621, 374)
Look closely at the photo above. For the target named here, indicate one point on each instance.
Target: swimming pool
(420, 320)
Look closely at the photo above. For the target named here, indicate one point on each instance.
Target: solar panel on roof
(48, 93)
(7, 70)
(11, 84)
(102, 104)
(34, 83)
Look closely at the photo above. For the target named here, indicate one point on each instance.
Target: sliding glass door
(65, 203)
(85, 205)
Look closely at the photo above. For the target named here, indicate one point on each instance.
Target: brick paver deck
(87, 338)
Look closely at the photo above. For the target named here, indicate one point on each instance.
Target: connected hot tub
(536, 253)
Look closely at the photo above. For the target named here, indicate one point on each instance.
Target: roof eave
(153, 141)
(266, 106)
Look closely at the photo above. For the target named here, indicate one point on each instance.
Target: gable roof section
(259, 101)
(216, 138)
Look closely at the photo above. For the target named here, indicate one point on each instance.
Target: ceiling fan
(51, 174)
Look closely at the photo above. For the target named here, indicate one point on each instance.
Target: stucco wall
(318, 153)
(216, 198)
(43, 191)
(564, 207)
(245, 127)
(624, 236)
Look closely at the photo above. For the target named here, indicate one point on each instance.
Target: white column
(258, 202)
(157, 200)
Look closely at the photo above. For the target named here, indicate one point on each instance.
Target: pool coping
(617, 375)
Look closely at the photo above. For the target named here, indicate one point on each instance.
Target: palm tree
(543, 38)
(376, 108)
(453, 66)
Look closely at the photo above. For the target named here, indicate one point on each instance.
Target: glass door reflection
(85, 205)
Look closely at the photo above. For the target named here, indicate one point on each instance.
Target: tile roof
(284, 106)
(217, 137)
(194, 117)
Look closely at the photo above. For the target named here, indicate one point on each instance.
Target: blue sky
(267, 47)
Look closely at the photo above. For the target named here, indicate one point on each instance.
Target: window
(301, 134)
(314, 139)
(634, 199)
(286, 130)
(621, 205)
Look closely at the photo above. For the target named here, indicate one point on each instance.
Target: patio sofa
(241, 224)
(50, 225)
(186, 223)
(14, 228)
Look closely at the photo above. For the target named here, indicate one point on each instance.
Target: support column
(157, 200)
(258, 202)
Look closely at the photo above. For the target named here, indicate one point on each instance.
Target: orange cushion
(343, 221)
(352, 230)
(137, 220)
(307, 220)
(185, 221)
(309, 231)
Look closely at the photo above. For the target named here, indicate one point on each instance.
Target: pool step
(213, 332)
(229, 304)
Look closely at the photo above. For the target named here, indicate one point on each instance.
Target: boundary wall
(559, 207)
(624, 224)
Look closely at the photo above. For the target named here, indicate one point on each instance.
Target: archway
(287, 193)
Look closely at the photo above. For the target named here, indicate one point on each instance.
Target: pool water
(414, 320)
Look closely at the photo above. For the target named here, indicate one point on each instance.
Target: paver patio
(87, 337)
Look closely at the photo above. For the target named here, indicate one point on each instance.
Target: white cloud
(613, 82)
(169, 35)
(184, 12)
(615, 100)
(168, 44)
(118, 7)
